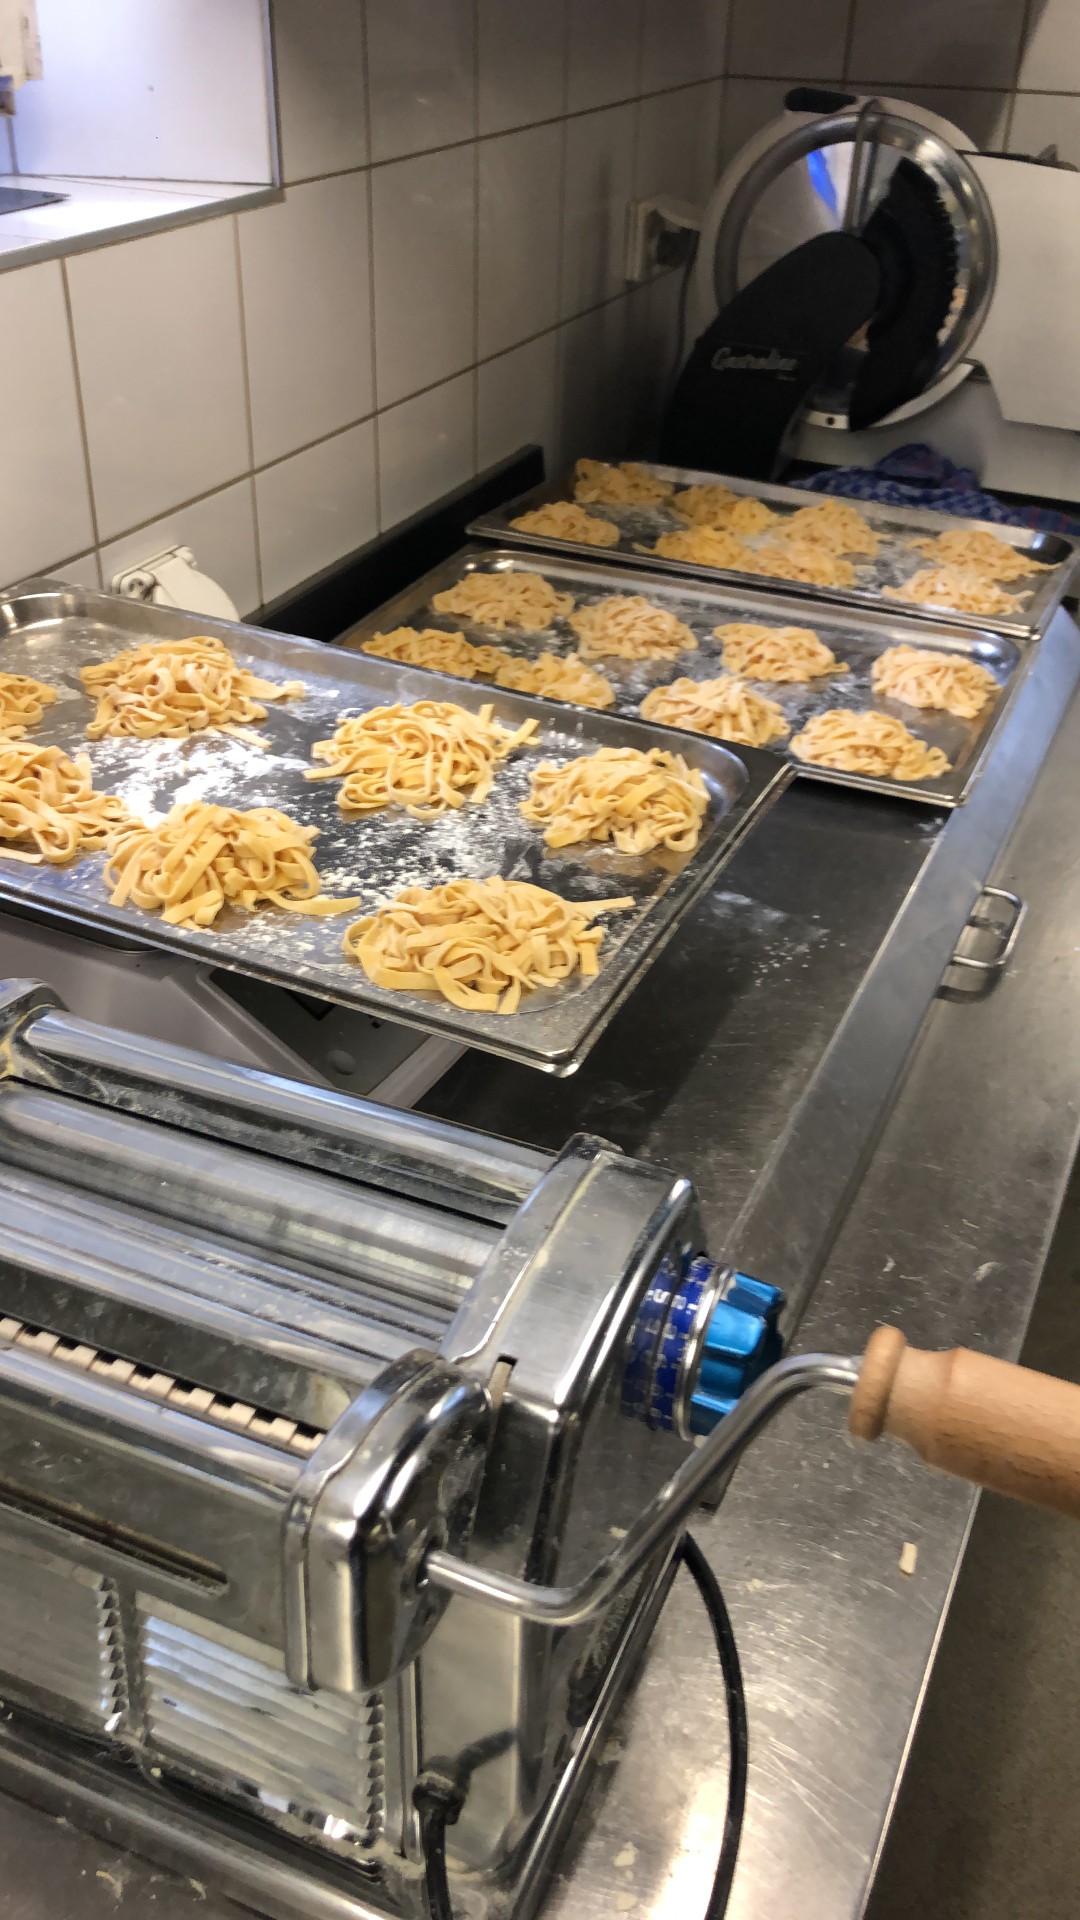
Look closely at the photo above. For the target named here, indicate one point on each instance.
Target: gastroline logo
(754, 360)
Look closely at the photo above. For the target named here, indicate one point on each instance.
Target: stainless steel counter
(943, 1227)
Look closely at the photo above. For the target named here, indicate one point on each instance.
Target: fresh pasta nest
(505, 600)
(835, 525)
(707, 547)
(705, 505)
(22, 703)
(868, 743)
(555, 678)
(626, 626)
(637, 800)
(713, 505)
(426, 758)
(779, 654)
(923, 677)
(202, 858)
(788, 558)
(431, 647)
(627, 485)
(562, 520)
(481, 944)
(976, 551)
(48, 802)
(958, 587)
(173, 688)
(724, 708)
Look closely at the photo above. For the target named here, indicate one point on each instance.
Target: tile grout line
(849, 39)
(725, 78)
(639, 56)
(245, 372)
(349, 426)
(81, 410)
(475, 447)
(179, 506)
(564, 148)
(1021, 49)
(924, 86)
(376, 448)
(84, 553)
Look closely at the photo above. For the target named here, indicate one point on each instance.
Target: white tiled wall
(442, 281)
(1006, 71)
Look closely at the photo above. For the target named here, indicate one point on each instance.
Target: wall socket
(660, 233)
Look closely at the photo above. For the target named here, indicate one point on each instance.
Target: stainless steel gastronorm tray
(896, 560)
(50, 631)
(855, 638)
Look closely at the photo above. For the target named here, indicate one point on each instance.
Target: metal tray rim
(949, 792)
(575, 1024)
(1046, 597)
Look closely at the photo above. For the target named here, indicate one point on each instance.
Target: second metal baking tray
(855, 638)
(50, 631)
(896, 560)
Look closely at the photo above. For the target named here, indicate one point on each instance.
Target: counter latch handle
(1007, 930)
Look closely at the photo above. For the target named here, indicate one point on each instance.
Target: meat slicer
(866, 276)
(341, 1449)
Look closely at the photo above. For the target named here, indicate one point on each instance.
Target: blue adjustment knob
(741, 1339)
(702, 1334)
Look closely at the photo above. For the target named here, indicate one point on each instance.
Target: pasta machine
(339, 1446)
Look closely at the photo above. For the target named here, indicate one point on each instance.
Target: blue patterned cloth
(916, 476)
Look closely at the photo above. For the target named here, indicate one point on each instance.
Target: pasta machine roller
(336, 1442)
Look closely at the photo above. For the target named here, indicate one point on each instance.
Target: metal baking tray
(856, 638)
(896, 560)
(50, 631)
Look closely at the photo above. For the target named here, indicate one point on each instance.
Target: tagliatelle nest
(431, 647)
(956, 587)
(835, 525)
(562, 520)
(626, 485)
(923, 677)
(427, 758)
(787, 558)
(626, 626)
(780, 654)
(975, 551)
(48, 803)
(173, 688)
(868, 743)
(481, 944)
(724, 708)
(506, 599)
(202, 858)
(716, 506)
(707, 547)
(556, 678)
(22, 703)
(637, 800)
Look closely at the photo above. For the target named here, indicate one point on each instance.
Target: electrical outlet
(660, 233)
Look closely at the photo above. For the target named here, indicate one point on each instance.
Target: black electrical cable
(438, 1796)
(439, 1793)
(708, 1586)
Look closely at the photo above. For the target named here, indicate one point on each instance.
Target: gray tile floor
(988, 1822)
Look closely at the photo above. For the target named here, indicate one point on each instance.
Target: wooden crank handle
(1000, 1426)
